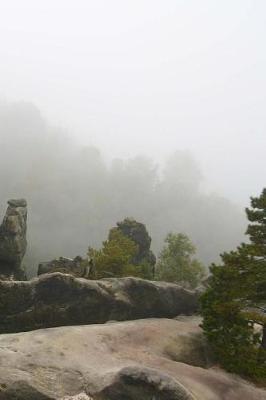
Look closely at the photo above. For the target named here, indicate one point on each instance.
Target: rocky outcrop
(65, 265)
(13, 241)
(126, 360)
(143, 383)
(59, 299)
(137, 232)
(80, 267)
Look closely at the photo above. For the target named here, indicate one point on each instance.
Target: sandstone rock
(143, 383)
(59, 299)
(13, 241)
(124, 360)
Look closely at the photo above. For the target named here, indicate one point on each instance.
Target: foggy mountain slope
(75, 196)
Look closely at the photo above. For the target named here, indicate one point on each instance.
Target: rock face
(59, 299)
(144, 359)
(13, 241)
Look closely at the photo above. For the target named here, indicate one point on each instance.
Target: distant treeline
(75, 195)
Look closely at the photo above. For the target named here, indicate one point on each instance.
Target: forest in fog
(75, 195)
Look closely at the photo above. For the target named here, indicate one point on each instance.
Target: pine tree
(257, 254)
(235, 300)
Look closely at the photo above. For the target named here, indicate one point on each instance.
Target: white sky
(147, 76)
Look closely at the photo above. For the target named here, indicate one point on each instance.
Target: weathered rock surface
(60, 299)
(144, 359)
(13, 241)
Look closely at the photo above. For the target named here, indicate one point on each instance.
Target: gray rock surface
(121, 361)
(13, 241)
(59, 299)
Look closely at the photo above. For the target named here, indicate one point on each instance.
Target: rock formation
(65, 265)
(158, 359)
(13, 241)
(137, 232)
(79, 267)
(59, 299)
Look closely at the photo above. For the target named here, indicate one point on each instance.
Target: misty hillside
(75, 195)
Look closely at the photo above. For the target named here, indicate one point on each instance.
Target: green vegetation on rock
(125, 253)
(114, 259)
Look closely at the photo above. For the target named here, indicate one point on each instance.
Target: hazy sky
(147, 76)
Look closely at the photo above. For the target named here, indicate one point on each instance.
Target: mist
(75, 195)
(146, 77)
(147, 109)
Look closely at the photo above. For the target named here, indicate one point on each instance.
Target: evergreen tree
(257, 248)
(235, 300)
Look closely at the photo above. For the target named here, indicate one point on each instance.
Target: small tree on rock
(114, 259)
(144, 259)
(126, 252)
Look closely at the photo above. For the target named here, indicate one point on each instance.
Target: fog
(149, 109)
(75, 196)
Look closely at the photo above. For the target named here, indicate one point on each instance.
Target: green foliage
(144, 260)
(176, 262)
(233, 304)
(125, 253)
(231, 335)
(115, 257)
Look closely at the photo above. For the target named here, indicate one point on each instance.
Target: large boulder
(13, 241)
(60, 299)
(118, 361)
